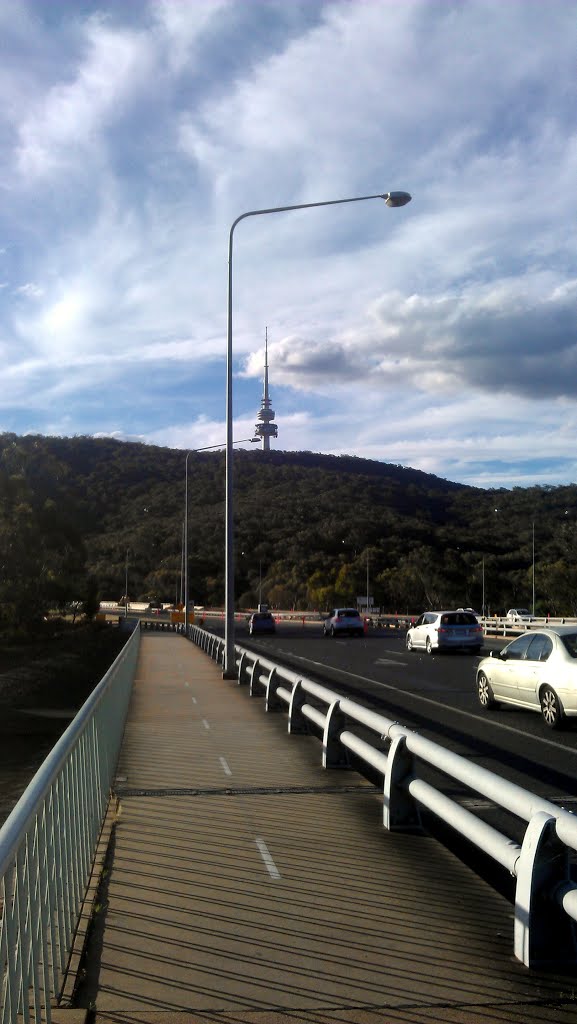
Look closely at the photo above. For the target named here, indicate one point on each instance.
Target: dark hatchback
(261, 622)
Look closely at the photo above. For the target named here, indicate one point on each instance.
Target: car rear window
(348, 613)
(459, 619)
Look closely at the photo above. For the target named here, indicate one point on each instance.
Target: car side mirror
(503, 655)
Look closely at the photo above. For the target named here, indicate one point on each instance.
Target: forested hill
(307, 526)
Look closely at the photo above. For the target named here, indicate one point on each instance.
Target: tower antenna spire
(265, 429)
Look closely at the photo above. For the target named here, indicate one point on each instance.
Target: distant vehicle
(519, 615)
(537, 670)
(478, 615)
(443, 631)
(261, 622)
(343, 620)
(155, 606)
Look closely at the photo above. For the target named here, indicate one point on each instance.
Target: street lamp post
(126, 585)
(181, 568)
(393, 199)
(207, 448)
(367, 582)
(533, 608)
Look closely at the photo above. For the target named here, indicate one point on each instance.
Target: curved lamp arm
(392, 199)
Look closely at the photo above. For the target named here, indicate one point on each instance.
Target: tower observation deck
(266, 429)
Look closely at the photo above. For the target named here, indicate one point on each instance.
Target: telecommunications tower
(266, 428)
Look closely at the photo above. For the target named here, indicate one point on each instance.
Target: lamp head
(396, 198)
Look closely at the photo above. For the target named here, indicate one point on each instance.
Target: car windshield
(570, 643)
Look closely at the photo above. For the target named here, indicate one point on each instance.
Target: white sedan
(519, 615)
(537, 671)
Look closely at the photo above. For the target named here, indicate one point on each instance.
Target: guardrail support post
(544, 934)
(254, 674)
(241, 668)
(272, 703)
(400, 812)
(334, 755)
(297, 723)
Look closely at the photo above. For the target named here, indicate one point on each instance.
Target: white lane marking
(436, 703)
(269, 862)
(187, 684)
(389, 661)
(193, 699)
(225, 766)
(205, 723)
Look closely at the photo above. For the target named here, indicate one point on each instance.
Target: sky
(441, 335)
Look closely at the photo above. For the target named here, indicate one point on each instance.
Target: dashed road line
(205, 723)
(225, 766)
(269, 862)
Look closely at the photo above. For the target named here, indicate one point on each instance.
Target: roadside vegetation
(76, 512)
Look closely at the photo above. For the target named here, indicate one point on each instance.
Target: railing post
(241, 668)
(297, 723)
(399, 809)
(272, 702)
(334, 755)
(544, 934)
(253, 678)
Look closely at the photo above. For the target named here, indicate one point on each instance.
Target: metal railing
(48, 844)
(543, 864)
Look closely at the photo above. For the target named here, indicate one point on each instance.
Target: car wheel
(429, 646)
(409, 642)
(360, 632)
(551, 708)
(325, 631)
(485, 692)
(475, 650)
(332, 632)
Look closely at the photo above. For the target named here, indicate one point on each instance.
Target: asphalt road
(436, 696)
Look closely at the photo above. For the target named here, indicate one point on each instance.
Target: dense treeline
(75, 512)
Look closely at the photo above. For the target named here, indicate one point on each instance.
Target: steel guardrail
(542, 865)
(48, 844)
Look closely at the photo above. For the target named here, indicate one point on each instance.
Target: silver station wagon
(446, 631)
(343, 620)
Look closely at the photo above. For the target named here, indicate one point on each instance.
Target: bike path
(245, 884)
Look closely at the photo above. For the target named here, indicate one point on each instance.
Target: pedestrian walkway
(245, 884)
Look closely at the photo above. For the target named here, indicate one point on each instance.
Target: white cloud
(30, 290)
(443, 333)
(183, 25)
(93, 92)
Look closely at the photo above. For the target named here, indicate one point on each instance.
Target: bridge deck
(247, 885)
